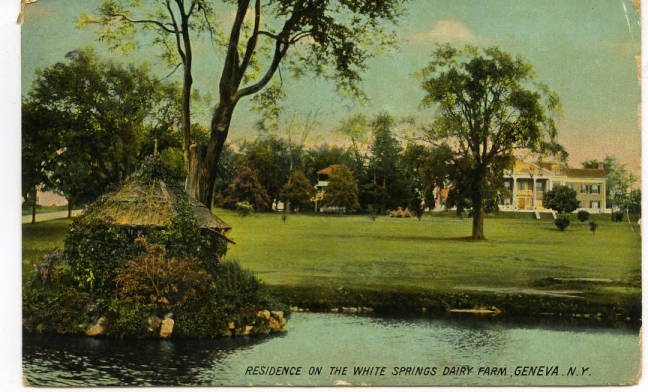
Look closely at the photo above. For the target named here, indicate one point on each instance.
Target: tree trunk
(203, 163)
(34, 194)
(69, 209)
(186, 116)
(478, 217)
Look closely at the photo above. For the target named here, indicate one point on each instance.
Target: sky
(584, 50)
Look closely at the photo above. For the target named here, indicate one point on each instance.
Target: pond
(344, 349)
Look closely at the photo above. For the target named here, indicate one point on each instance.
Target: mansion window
(593, 188)
(595, 204)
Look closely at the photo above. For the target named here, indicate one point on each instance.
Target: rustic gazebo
(144, 205)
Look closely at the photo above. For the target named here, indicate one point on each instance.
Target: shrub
(583, 215)
(401, 213)
(617, 216)
(561, 199)
(243, 208)
(561, 222)
(593, 226)
(50, 303)
(203, 299)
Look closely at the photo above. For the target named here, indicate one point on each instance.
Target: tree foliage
(36, 152)
(171, 24)
(246, 187)
(89, 120)
(489, 106)
(269, 157)
(331, 39)
(342, 189)
(561, 199)
(298, 190)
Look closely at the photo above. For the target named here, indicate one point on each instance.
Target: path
(45, 216)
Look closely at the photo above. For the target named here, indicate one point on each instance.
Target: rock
(277, 322)
(167, 328)
(98, 328)
(265, 314)
(493, 311)
(246, 330)
(334, 310)
(350, 309)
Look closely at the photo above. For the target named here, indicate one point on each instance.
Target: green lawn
(354, 251)
(333, 253)
(40, 239)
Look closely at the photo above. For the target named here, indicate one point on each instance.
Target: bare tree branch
(252, 41)
(138, 21)
(177, 31)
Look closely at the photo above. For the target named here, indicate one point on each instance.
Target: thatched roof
(149, 205)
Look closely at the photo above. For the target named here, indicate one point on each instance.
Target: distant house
(527, 183)
(324, 175)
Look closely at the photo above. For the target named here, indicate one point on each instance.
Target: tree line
(488, 107)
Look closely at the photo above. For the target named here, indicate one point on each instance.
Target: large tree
(93, 118)
(298, 191)
(172, 23)
(269, 158)
(386, 167)
(488, 106)
(36, 152)
(331, 38)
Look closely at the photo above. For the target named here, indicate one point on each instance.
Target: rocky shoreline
(527, 306)
(266, 322)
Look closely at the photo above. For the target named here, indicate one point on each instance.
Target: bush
(617, 216)
(51, 303)
(561, 199)
(593, 226)
(401, 213)
(561, 222)
(203, 299)
(583, 215)
(243, 208)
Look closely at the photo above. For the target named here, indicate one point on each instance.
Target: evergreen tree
(342, 189)
(298, 190)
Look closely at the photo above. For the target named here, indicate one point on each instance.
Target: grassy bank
(526, 267)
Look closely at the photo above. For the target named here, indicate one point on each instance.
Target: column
(533, 189)
(514, 190)
(603, 196)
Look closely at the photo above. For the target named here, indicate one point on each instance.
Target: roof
(149, 205)
(206, 219)
(595, 173)
(328, 170)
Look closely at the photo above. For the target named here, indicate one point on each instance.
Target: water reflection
(83, 361)
(326, 340)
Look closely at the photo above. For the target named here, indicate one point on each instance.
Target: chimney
(601, 166)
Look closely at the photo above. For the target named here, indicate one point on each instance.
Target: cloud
(446, 30)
